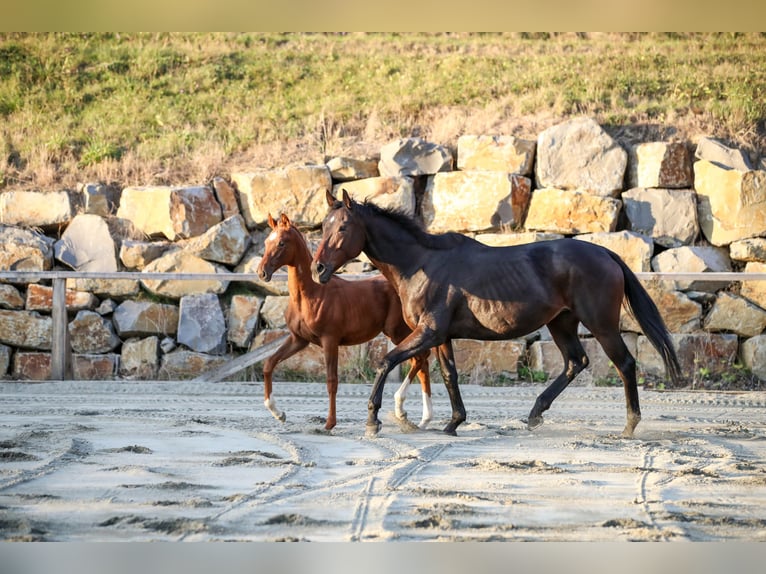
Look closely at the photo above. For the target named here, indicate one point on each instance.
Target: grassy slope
(136, 109)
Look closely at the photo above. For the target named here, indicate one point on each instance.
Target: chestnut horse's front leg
(293, 345)
(330, 348)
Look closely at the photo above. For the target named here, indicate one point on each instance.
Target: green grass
(180, 108)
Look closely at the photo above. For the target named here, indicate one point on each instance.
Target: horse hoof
(450, 431)
(373, 429)
(406, 425)
(282, 418)
(534, 422)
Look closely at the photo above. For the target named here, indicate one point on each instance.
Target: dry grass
(141, 109)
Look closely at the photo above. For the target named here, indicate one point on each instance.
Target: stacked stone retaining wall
(666, 206)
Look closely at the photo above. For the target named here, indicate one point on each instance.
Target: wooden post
(60, 352)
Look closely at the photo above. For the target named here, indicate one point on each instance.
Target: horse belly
(495, 321)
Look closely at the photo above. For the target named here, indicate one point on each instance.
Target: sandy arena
(175, 461)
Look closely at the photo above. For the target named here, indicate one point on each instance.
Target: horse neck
(299, 279)
(391, 248)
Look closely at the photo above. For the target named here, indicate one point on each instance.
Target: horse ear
(330, 198)
(272, 223)
(284, 221)
(347, 201)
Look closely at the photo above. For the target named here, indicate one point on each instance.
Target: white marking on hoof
(272, 408)
(399, 396)
(427, 411)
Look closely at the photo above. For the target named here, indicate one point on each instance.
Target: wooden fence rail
(61, 353)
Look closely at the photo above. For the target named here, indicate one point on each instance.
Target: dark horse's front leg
(417, 342)
(449, 374)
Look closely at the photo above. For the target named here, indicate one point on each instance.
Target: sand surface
(171, 461)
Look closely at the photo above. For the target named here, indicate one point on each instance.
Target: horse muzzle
(264, 274)
(320, 272)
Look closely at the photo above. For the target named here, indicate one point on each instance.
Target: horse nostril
(320, 268)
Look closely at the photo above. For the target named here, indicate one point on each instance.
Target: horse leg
(287, 350)
(418, 368)
(401, 394)
(449, 373)
(563, 329)
(618, 353)
(425, 389)
(330, 349)
(418, 342)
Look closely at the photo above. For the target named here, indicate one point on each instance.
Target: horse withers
(454, 287)
(337, 313)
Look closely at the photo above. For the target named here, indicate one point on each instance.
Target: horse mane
(414, 227)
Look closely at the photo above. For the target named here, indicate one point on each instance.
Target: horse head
(276, 248)
(343, 237)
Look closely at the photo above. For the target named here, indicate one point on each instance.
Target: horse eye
(281, 244)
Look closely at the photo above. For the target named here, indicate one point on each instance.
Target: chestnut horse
(454, 287)
(337, 313)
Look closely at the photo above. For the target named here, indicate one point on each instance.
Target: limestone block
(182, 364)
(226, 196)
(183, 262)
(31, 366)
(669, 216)
(732, 203)
(175, 212)
(87, 245)
(139, 358)
(496, 153)
(392, 192)
(298, 191)
(24, 250)
(752, 352)
(571, 212)
(89, 333)
(755, 291)
(35, 208)
(753, 249)
(40, 298)
(273, 311)
(660, 164)
(225, 242)
(138, 254)
(201, 324)
(145, 318)
(715, 151)
(100, 199)
(475, 201)
(344, 169)
(243, 318)
(413, 156)
(693, 259)
(26, 329)
(579, 155)
(635, 249)
(95, 367)
(736, 315)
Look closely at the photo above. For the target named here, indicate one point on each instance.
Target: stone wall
(663, 206)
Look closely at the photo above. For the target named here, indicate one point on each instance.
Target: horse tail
(642, 307)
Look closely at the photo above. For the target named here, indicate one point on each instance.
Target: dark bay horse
(338, 313)
(453, 287)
